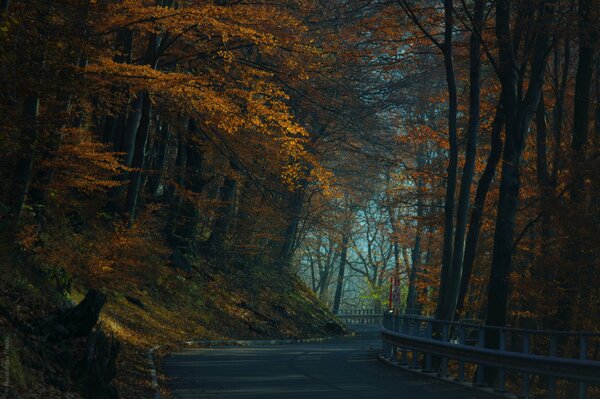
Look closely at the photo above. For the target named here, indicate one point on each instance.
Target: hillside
(149, 302)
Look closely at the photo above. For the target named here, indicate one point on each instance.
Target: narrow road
(347, 368)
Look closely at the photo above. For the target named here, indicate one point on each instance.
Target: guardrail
(572, 357)
(360, 316)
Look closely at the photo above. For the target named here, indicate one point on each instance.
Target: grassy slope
(239, 303)
(149, 302)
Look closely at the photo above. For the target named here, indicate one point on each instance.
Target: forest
(290, 157)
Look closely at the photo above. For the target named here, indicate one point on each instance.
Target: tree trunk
(131, 128)
(190, 158)
(221, 229)
(163, 150)
(137, 141)
(581, 110)
(470, 159)
(518, 115)
(581, 116)
(342, 268)
(411, 296)
(452, 161)
(291, 231)
(477, 211)
(139, 158)
(127, 146)
(325, 276)
(22, 177)
(176, 200)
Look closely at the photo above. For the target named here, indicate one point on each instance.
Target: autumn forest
(289, 159)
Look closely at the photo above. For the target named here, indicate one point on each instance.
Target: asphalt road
(346, 368)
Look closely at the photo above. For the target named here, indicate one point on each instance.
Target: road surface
(347, 368)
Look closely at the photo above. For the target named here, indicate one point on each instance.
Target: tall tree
(518, 106)
(464, 199)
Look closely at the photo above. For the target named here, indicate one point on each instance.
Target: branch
(415, 19)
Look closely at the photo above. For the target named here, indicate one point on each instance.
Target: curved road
(347, 368)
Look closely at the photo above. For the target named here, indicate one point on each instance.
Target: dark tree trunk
(131, 128)
(464, 198)
(518, 114)
(135, 137)
(325, 274)
(558, 114)
(581, 110)
(175, 199)
(139, 158)
(477, 211)
(190, 159)
(112, 130)
(581, 125)
(289, 237)
(541, 159)
(339, 288)
(127, 146)
(221, 229)
(22, 177)
(547, 192)
(451, 171)
(411, 296)
(163, 149)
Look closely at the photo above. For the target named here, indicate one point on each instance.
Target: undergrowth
(150, 301)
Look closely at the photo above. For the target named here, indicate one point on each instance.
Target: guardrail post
(386, 347)
(583, 356)
(429, 335)
(395, 329)
(444, 364)
(404, 356)
(480, 344)
(525, 384)
(552, 380)
(461, 363)
(501, 380)
(415, 354)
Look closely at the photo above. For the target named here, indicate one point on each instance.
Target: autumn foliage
(453, 145)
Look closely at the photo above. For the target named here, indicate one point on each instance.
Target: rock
(100, 366)
(85, 354)
(79, 321)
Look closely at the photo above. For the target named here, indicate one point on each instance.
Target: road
(346, 368)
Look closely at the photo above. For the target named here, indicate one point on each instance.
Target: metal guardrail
(360, 316)
(526, 352)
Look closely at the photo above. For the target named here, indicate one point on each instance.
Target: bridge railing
(524, 360)
(360, 316)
